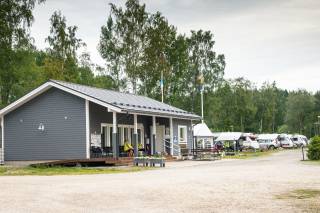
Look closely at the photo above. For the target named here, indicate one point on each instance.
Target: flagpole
(201, 87)
(161, 84)
(202, 103)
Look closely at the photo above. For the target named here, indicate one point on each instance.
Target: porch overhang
(165, 115)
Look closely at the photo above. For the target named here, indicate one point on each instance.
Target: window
(125, 133)
(182, 132)
(126, 136)
(140, 137)
(120, 133)
(104, 138)
(108, 139)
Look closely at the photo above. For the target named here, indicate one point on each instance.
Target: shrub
(314, 148)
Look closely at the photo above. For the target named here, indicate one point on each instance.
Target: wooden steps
(170, 158)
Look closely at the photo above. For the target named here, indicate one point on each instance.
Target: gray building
(61, 120)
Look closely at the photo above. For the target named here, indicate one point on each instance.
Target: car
(299, 140)
(268, 141)
(248, 141)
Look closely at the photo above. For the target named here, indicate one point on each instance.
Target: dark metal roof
(129, 102)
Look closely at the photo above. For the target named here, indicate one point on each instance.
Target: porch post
(88, 147)
(153, 144)
(135, 135)
(115, 147)
(171, 137)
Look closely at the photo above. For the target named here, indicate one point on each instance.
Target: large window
(182, 132)
(125, 133)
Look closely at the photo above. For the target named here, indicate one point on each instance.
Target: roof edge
(46, 86)
(191, 117)
(52, 83)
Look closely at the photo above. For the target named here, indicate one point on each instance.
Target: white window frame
(122, 126)
(185, 135)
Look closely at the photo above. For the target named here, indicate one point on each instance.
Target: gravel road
(222, 186)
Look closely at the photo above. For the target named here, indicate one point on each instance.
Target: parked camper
(268, 141)
(285, 141)
(299, 140)
(249, 141)
(305, 139)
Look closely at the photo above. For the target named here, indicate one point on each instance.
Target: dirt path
(222, 186)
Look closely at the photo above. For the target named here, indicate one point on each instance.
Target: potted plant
(157, 159)
(141, 160)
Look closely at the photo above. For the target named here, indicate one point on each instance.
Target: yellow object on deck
(127, 147)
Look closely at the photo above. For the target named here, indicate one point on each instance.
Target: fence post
(302, 152)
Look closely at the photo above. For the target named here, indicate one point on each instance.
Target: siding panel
(64, 135)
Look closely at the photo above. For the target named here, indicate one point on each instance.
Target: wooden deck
(105, 161)
(108, 161)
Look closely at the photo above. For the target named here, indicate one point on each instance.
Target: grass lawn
(247, 155)
(307, 200)
(312, 162)
(49, 171)
(300, 194)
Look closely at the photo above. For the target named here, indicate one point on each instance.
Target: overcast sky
(262, 40)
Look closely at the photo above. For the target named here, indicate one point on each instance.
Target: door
(160, 131)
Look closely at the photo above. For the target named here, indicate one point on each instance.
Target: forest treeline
(139, 49)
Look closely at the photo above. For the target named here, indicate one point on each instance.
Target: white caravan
(249, 141)
(299, 140)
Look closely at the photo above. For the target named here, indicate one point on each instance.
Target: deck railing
(168, 144)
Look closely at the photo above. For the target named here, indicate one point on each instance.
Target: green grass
(50, 171)
(248, 155)
(300, 194)
(304, 200)
(312, 162)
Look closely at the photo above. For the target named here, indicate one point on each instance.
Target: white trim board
(46, 86)
(87, 129)
(26, 98)
(171, 136)
(2, 140)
